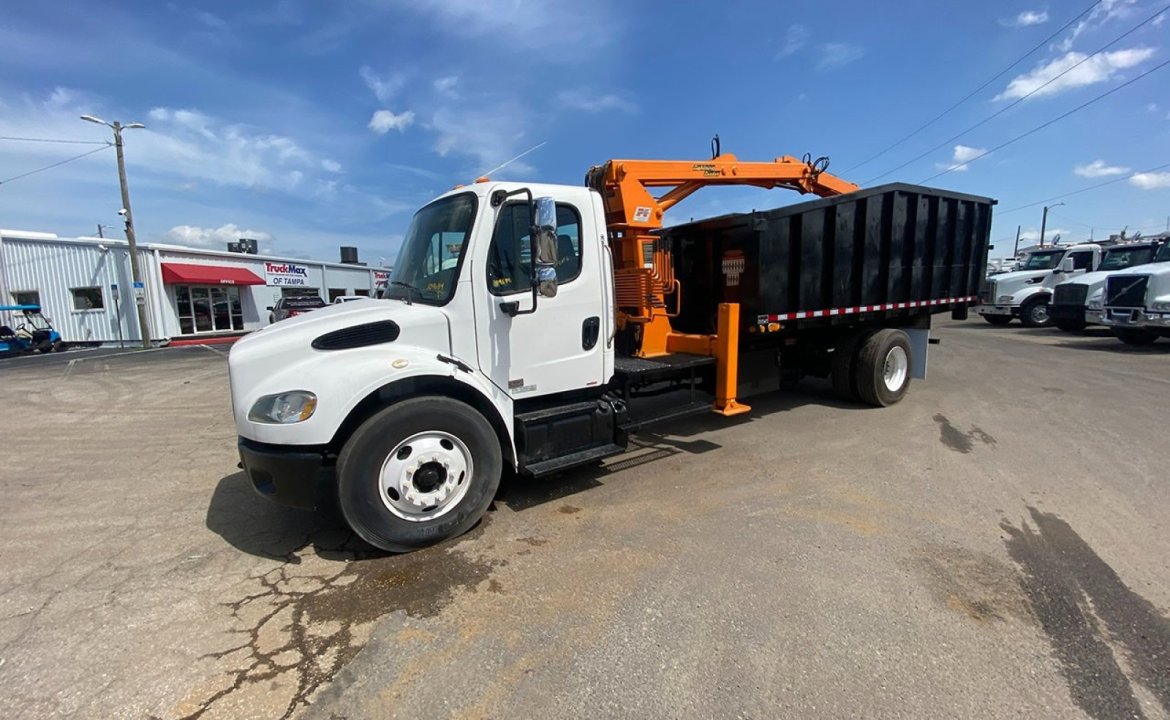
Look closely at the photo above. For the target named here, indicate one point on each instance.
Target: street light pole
(1044, 222)
(135, 271)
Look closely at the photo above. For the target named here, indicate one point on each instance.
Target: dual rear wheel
(873, 368)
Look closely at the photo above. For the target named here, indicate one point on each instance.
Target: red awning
(179, 273)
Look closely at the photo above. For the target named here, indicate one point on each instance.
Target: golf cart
(34, 332)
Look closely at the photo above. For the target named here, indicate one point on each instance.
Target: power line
(1082, 190)
(1019, 100)
(1040, 127)
(977, 90)
(52, 140)
(56, 164)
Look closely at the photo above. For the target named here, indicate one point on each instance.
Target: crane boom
(643, 271)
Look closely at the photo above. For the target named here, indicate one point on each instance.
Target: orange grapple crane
(644, 278)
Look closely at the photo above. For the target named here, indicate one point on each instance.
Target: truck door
(559, 347)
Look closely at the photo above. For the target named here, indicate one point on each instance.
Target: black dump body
(875, 255)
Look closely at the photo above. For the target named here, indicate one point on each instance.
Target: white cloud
(448, 86)
(520, 26)
(1150, 180)
(1102, 13)
(383, 121)
(488, 135)
(216, 238)
(331, 166)
(961, 156)
(834, 55)
(1098, 168)
(1095, 69)
(595, 103)
(1027, 18)
(383, 88)
(794, 39)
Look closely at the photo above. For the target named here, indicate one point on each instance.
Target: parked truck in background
(1026, 293)
(533, 321)
(1077, 302)
(1136, 302)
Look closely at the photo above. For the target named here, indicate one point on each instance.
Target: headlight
(284, 409)
(1004, 300)
(1161, 306)
(1095, 304)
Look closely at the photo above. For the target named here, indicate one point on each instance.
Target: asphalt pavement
(996, 545)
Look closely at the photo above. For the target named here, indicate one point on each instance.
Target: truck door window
(509, 267)
(1082, 260)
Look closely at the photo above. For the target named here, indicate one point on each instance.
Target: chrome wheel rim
(425, 476)
(896, 368)
(1040, 313)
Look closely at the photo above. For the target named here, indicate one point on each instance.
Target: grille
(987, 294)
(1126, 291)
(374, 333)
(1070, 294)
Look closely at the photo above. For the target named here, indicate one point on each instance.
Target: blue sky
(312, 124)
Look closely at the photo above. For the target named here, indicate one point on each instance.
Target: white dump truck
(1077, 302)
(1026, 293)
(1136, 302)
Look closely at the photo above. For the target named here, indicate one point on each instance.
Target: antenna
(534, 148)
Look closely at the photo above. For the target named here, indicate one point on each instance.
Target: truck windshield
(428, 263)
(1043, 260)
(1121, 258)
(1163, 253)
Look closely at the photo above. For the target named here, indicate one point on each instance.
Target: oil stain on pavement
(957, 440)
(1091, 618)
(298, 630)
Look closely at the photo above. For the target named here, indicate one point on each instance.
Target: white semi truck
(524, 324)
(1136, 302)
(1077, 302)
(1026, 293)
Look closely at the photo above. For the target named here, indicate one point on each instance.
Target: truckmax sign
(285, 274)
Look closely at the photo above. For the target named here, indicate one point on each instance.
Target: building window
(362, 291)
(335, 293)
(206, 309)
(510, 254)
(87, 298)
(26, 297)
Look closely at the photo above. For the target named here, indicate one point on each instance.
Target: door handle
(590, 329)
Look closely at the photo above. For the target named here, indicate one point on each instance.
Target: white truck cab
(1077, 302)
(1026, 292)
(1136, 301)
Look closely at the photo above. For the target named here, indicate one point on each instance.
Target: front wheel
(1034, 313)
(420, 471)
(882, 368)
(998, 319)
(1130, 336)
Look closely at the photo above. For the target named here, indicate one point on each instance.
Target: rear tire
(882, 369)
(998, 319)
(1072, 326)
(841, 367)
(1034, 313)
(1130, 336)
(382, 469)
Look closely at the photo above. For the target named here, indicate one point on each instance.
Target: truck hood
(1161, 269)
(1012, 282)
(283, 345)
(1095, 280)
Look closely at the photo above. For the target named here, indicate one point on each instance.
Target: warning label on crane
(733, 266)
(641, 214)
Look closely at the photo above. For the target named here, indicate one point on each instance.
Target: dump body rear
(868, 255)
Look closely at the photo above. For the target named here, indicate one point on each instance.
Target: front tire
(1034, 313)
(420, 471)
(998, 319)
(882, 368)
(1130, 336)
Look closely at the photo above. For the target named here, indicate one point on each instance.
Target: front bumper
(1009, 310)
(1067, 312)
(295, 476)
(1136, 318)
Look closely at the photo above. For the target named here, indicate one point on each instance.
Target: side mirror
(545, 250)
(1066, 265)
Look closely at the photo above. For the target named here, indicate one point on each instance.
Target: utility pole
(128, 216)
(1016, 249)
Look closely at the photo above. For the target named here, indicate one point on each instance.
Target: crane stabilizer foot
(731, 408)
